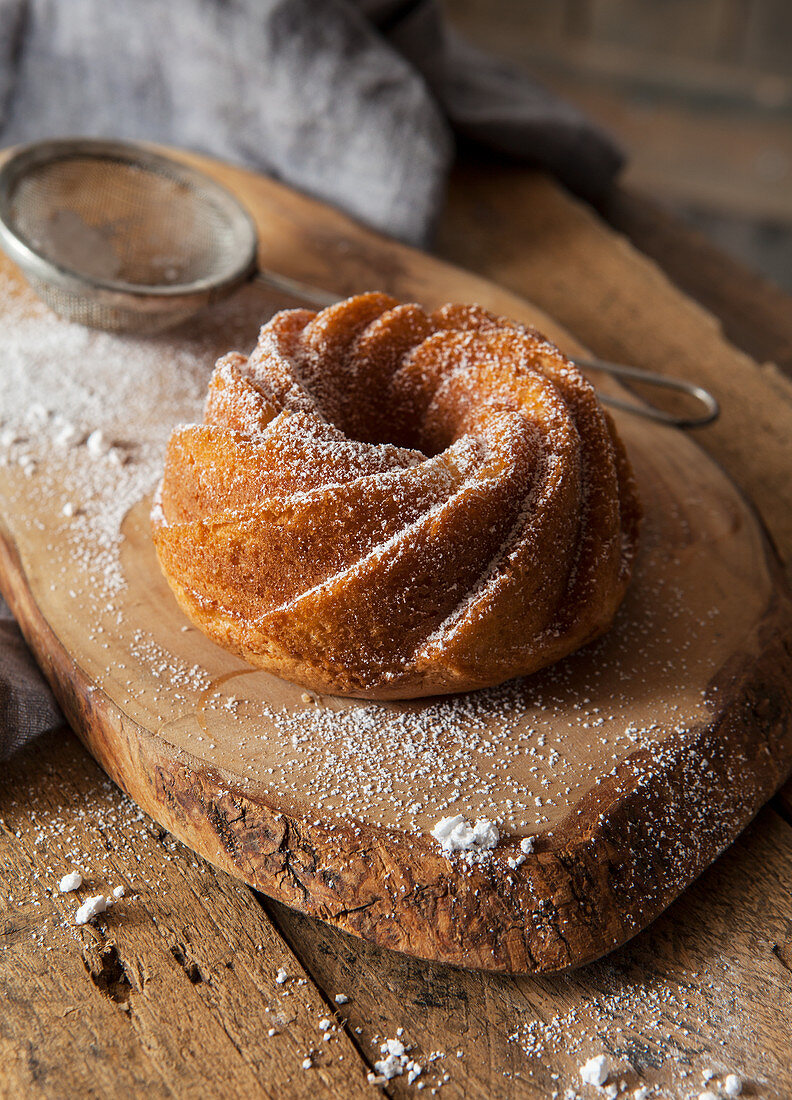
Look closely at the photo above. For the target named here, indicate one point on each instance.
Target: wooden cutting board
(632, 764)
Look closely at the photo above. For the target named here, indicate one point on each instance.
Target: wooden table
(181, 996)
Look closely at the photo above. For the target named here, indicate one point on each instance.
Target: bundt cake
(389, 503)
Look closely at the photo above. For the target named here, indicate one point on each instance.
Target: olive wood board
(633, 763)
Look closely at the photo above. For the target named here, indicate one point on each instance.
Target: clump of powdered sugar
(456, 834)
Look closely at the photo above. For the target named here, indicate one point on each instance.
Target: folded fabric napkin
(27, 707)
(354, 101)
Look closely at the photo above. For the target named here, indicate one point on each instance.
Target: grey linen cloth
(354, 101)
(26, 704)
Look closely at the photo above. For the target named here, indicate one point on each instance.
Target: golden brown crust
(388, 503)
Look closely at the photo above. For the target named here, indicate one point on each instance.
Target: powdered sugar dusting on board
(86, 416)
(503, 754)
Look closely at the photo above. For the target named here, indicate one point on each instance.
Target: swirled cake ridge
(391, 503)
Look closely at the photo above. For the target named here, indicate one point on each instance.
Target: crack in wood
(271, 909)
(12, 932)
(783, 951)
(188, 965)
(781, 808)
(354, 909)
(108, 974)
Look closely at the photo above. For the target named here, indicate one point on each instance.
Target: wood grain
(173, 990)
(755, 315)
(630, 837)
(707, 987)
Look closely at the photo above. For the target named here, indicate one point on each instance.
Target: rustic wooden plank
(583, 69)
(251, 807)
(734, 161)
(173, 991)
(755, 314)
(718, 36)
(707, 986)
(718, 159)
(430, 983)
(700, 126)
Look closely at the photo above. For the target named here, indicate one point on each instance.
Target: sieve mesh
(117, 237)
(113, 220)
(95, 312)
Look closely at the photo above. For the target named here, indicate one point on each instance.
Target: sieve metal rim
(25, 158)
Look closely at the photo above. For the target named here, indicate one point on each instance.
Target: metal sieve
(117, 237)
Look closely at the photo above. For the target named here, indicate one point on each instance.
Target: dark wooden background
(698, 92)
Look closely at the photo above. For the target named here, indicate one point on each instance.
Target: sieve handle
(711, 408)
(322, 298)
(296, 289)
